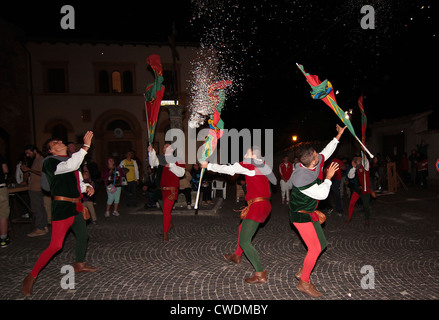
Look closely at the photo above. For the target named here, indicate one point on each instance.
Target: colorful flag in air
(363, 119)
(217, 96)
(325, 92)
(154, 95)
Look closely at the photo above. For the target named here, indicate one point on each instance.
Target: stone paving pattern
(401, 245)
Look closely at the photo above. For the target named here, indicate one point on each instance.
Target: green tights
(248, 230)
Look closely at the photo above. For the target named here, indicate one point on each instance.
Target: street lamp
(294, 138)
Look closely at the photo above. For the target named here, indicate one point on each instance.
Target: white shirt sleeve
(230, 169)
(330, 148)
(136, 169)
(153, 160)
(365, 163)
(351, 173)
(82, 184)
(319, 191)
(71, 164)
(177, 170)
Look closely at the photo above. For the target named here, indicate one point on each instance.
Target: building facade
(15, 115)
(394, 137)
(80, 86)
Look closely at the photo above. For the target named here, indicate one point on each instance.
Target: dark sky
(393, 65)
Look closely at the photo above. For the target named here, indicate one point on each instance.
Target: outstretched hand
(331, 170)
(90, 191)
(203, 164)
(340, 131)
(88, 137)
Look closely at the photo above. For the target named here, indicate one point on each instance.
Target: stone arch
(115, 143)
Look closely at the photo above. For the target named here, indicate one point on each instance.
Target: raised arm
(332, 145)
(74, 162)
(153, 160)
(227, 169)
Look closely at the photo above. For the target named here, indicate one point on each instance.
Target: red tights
(239, 251)
(315, 246)
(59, 231)
(167, 208)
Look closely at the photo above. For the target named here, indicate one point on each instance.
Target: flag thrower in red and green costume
(154, 95)
(217, 97)
(324, 91)
(363, 119)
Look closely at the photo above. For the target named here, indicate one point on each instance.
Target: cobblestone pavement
(397, 255)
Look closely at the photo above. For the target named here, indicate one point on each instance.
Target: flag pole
(364, 148)
(147, 120)
(199, 187)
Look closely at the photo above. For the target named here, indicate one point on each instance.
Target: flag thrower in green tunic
(324, 91)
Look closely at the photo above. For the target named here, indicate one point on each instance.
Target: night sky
(394, 65)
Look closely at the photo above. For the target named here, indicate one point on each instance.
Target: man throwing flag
(170, 169)
(258, 177)
(308, 187)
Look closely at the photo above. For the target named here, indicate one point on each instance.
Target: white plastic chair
(219, 185)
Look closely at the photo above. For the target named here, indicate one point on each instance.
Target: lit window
(114, 78)
(116, 82)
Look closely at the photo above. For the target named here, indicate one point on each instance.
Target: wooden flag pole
(199, 187)
(364, 148)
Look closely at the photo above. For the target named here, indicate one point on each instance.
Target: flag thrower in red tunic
(324, 91)
(154, 95)
(217, 97)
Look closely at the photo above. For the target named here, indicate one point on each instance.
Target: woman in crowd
(112, 178)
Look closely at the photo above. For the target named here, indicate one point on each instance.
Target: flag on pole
(154, 95)
(217, 97)
(325, 92)
(363, 119)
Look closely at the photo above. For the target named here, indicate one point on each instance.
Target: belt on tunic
(74, 200)
(244, 211)
(174, 192)
(168, 188)
(79, 207)
(316, 215)
(251, 201)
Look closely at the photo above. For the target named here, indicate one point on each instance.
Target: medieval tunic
(362, 189)
(257, 185)
(168, 173)
(170, 169)
(62, 178)
(308, 187)
(361, 177)
(285, 171)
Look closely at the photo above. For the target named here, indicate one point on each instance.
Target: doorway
(117, 131)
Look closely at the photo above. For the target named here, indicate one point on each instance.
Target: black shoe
(5, 242)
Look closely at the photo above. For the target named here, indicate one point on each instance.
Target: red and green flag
(217, 96)
(325, 92)
(363, 119)
(154, 95)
